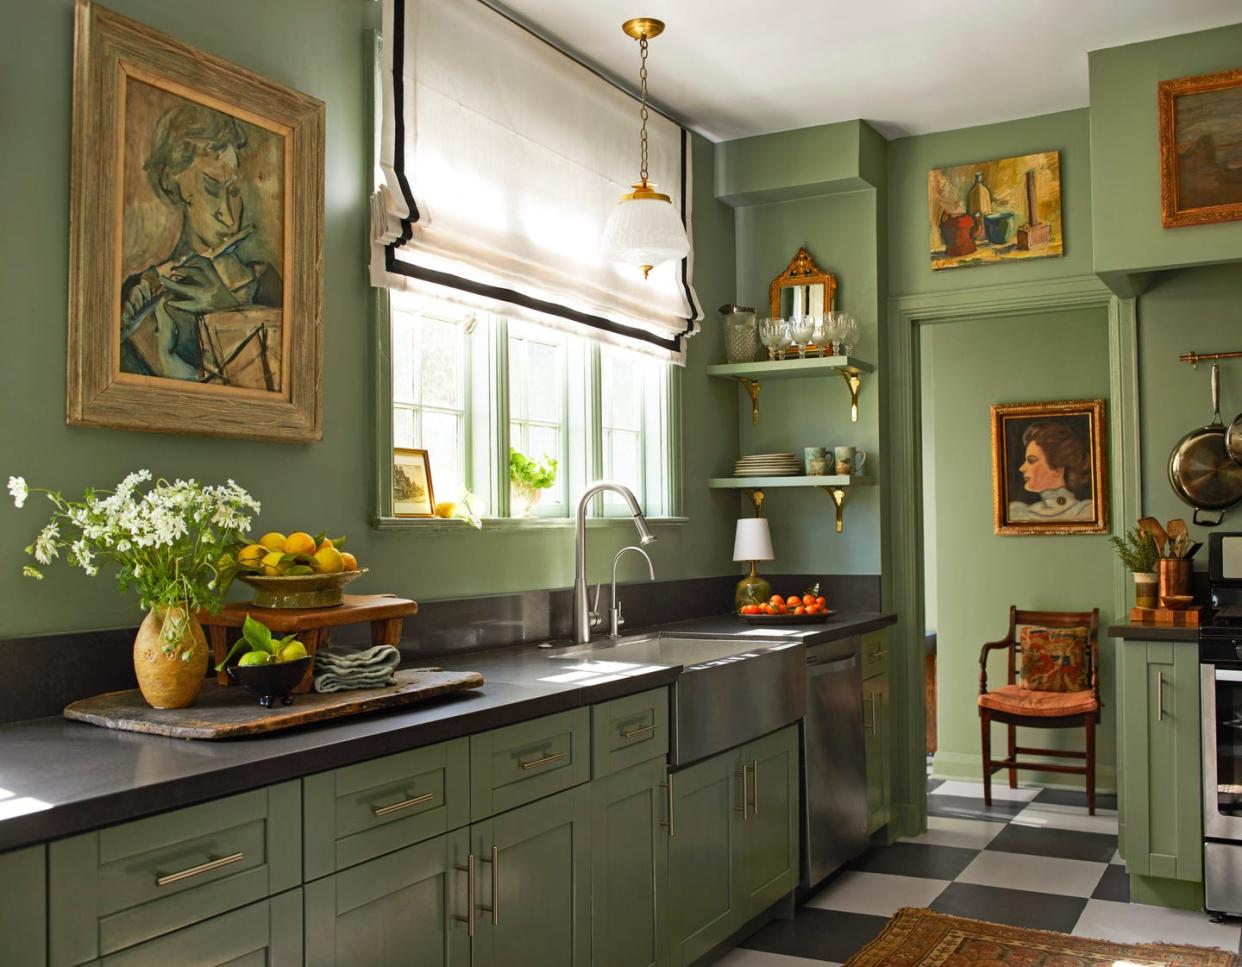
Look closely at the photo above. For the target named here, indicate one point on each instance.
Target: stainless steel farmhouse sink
(730, 690)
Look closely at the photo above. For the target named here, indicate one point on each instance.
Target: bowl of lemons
(268, 667)
(298, 570)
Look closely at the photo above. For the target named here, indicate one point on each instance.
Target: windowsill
(435, 525)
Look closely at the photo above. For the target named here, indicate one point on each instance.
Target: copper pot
(1175, 577)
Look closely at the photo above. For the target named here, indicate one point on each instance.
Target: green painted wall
(1125, 149)
(966, 367)
(910, 159)
(321, 47)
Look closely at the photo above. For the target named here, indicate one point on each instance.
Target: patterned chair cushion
(1054, 659)
(1023, 701)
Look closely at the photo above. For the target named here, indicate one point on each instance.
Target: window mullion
(500, 424)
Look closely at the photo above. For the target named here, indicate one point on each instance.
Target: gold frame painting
(195, 241)
(1048, 468)
(406, 487)
(1200, 117)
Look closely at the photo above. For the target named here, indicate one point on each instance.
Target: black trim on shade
(501, 294)
(398, 102)
(687, 288)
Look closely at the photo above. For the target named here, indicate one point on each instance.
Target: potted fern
(1138, 552)
(528, 479)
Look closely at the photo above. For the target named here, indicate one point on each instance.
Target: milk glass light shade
(753, 540)
(644, 230)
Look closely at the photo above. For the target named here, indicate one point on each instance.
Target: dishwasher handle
(817, 666)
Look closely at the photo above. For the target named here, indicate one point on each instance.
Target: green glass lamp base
(752, 589)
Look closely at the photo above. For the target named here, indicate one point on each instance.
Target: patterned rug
(921, 938)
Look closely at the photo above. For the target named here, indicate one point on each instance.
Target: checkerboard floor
(1034, 858)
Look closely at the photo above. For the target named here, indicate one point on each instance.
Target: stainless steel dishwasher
(834, 806)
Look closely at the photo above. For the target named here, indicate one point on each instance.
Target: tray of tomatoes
(795, 609)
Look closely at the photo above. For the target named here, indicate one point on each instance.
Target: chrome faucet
(615, 621)
(584, 618)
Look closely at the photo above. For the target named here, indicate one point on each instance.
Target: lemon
(273, 541)
(299, 542)
(254, 658)
(445, 509)
(292, 651)
(328, 560)
(273, 563)
(351, 562)
(251, 555)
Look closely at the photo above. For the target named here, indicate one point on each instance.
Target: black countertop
(58, 777)
(1150, 632)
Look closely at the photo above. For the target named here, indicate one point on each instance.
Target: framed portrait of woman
(196, 240)
(1048, 472)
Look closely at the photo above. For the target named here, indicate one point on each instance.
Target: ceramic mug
(810, 455)
(819, 467)
(849, 460)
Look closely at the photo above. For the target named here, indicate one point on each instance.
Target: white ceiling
(730, 68)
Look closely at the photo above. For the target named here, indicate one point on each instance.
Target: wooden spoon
(1179, 537)
(1151, 527)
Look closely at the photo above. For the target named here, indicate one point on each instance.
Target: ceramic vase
(170, 658)
(1146, 590)
(522, 499)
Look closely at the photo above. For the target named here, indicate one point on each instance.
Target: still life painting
(196, 241)
(996, 211)
(412, 495)
(1048, 470)
(1201, 149)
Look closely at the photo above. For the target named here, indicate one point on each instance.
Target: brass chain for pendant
(642, 78)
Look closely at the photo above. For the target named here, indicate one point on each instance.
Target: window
(598, 411)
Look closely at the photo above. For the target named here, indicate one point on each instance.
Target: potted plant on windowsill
(1138, 552)
(170, 543)
(528, 479)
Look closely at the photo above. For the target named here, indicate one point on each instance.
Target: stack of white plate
(768, 465)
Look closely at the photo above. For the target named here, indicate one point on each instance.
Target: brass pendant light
(644, 229)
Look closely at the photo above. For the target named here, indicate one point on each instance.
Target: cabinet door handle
(668, 793)
(1159, 696)
(754, 771)
(378, 811)
(869, 717)
(494, 909)
(635, 733)
(744, 808)
(468, 919)
(166, 879)
(542, 761)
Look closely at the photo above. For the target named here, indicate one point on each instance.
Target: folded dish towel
(338, 671)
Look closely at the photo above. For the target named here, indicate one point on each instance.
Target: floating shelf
(751, 375)
(836, 486)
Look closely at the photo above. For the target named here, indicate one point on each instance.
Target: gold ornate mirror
(802, 289)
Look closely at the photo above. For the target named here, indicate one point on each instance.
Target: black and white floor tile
(1035, 858)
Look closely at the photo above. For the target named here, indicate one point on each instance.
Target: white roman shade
(502, 159)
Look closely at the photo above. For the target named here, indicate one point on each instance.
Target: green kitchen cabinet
(733, 844)
(876, 717)
(23, 907)
(263, 934)
(629, 867)
(533, 884)
(405, 909)
(1160, 769)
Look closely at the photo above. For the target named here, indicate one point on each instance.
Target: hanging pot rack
(1195, 358)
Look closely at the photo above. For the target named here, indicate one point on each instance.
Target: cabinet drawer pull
(378, 811)
(1159, 696)
(635, 733)
(164, 879)
(879, 654)
(542, 760)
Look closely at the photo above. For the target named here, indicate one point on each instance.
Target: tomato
(775, 600)
(815, 609)
(782, 610)
(799, 610)
(748, 609)
(808, 599)
(822, 601)
(793, 601)
(767, 609)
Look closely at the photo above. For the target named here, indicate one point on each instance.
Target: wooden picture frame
(1048, 468)
(1195, 113)
(195, 241)
(411, 472)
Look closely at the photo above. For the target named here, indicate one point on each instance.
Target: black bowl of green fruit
(269, 667)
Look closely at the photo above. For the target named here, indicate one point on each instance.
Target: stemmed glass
(774, 334)
(849, 334)
(834, 325)
(801, 329)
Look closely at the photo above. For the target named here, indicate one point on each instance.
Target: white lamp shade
(753, 541)
(644, 232)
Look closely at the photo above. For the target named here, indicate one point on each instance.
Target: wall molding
(904, 507)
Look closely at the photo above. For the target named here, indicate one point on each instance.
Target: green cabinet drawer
(874, 653)
(362, 811)
(23, 907)
(524, 762)
(118, 887)
(264, 934)
(629, 730)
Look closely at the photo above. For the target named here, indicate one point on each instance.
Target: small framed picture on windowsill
(412, 495)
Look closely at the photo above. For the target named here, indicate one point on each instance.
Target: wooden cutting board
(231, 713)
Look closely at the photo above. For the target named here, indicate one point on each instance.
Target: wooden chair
(1014, 706)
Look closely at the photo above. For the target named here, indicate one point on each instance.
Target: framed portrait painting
(196, 241)
(412, 494)
(1048, 472)
(1201, 149)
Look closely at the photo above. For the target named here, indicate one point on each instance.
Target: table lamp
(753, 543)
